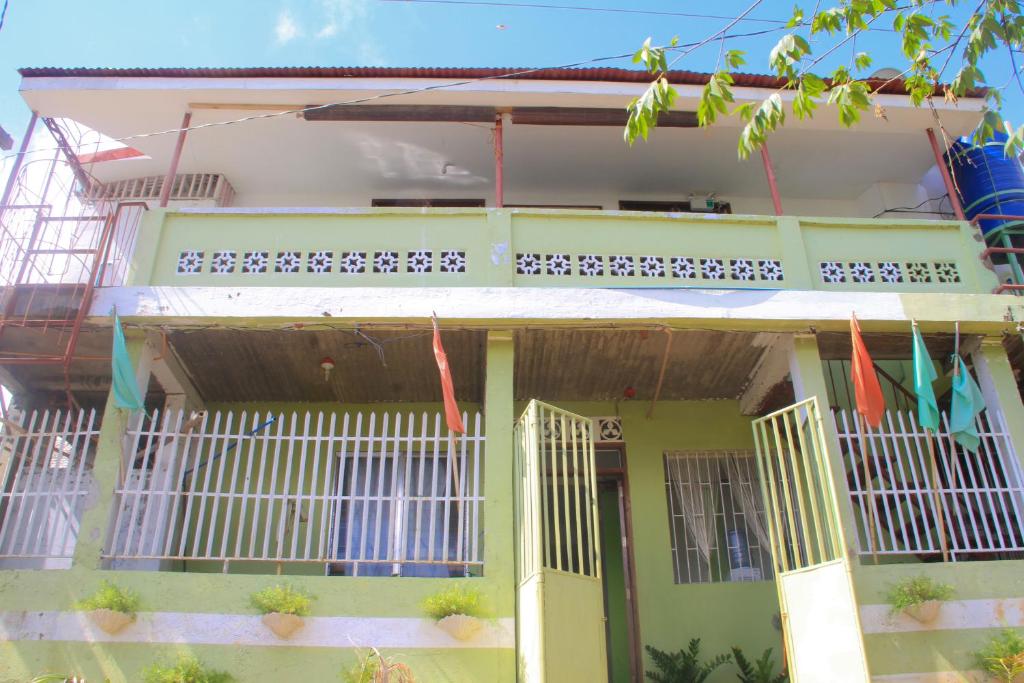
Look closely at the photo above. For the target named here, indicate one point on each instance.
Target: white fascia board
(517, 306)
(487, 85)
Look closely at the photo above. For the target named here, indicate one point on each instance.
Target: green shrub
(1003, 657)
(761, 670)
(375, 667)
(112, 597)
(683, 666)
(916, 590)
(283, 599)
(186, 670)
(454, 600)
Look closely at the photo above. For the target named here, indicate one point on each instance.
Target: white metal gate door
(823, 636)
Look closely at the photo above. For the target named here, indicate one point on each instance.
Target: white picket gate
(912, 502)
(373, 494)
(46, 463)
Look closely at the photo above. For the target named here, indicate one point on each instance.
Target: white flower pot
(283, 625)
(109, 620)
(460, 626)
(925, 612)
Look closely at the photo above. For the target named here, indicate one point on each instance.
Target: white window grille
(184, 187)
(46, 464)
(716, 517)
(980, 495)
(375, 494)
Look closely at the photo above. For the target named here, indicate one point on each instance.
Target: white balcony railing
(365, 494)
(912, 503)
(46, 463)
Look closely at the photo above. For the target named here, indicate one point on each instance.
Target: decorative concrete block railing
(554, 248)
(375, 494)
(907, 503)
(46, 461)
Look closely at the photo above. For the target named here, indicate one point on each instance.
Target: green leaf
(734, 59)
(797, 18)
(862, 60)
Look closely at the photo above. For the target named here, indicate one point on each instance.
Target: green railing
(554, 248)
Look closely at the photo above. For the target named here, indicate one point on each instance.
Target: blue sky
(376, 32)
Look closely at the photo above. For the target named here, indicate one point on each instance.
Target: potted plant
(684, 666)
(111, 607)
(1003, 656)
(283, 608)
(376, 668)
(457, 611)
(919, 597)
(185, 670)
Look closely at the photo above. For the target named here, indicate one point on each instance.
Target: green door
(822, 636)
(560, 601)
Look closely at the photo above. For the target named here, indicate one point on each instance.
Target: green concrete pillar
(808, 377)
(501, 269)
(794, 254)
(99, 507)
(147, 245)
(995, 377)
(499, 549)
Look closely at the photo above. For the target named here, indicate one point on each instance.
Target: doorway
(625, 664)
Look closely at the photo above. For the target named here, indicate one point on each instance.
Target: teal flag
(924, 375)
(126, 389)
(967, 403)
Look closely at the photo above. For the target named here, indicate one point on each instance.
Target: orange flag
(451, 409)
(870, 401)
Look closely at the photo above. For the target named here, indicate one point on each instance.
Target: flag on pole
(924, 375)
(451, 409)
(125, 386)
(967, 403)
(868, 393)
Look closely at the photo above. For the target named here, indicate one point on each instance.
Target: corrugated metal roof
(606, 74)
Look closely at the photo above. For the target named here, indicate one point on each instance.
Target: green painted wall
(124, 662)
(892, 653)
(491, 240)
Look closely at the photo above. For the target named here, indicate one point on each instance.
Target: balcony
(553, 248)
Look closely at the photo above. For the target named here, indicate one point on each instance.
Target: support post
(498, 472)
(769, 172)
(954, 196)
(999, 387)
(107, 470)
(805, 369)
(172, 170)
(18, 161)
(499, 161)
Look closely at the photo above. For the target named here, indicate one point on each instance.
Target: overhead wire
(401, 93)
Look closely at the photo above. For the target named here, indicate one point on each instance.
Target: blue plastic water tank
(989, 182)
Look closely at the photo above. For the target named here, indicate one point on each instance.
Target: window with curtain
(408, 514)
(716, 517)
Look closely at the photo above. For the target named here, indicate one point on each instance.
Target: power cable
(611, 10)
(3, 14)
(401, 93)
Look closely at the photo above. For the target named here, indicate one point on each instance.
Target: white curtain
(695, 504)
(745, 497)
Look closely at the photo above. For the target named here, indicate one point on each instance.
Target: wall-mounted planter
(460, 626)
(283, 625)
(924, 612)
(109, 620)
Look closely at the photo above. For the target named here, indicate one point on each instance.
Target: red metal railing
(55, 249)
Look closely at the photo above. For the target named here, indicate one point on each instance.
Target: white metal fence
(911, 503)
(717, 517)
(373, 494)
(46, 463)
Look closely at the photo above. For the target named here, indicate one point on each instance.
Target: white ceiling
(287, 155)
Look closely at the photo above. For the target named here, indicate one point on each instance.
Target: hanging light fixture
(327, 364)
